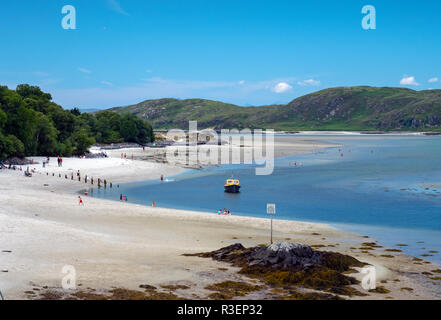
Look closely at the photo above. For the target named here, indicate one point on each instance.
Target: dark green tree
(45, 135)
(32, 124)
(82, 142)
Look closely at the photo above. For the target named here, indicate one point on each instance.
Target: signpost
(271, 210)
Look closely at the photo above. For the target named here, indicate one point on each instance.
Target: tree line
(32, 124)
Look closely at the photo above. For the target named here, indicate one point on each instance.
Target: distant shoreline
(340, 132)
(390, 133)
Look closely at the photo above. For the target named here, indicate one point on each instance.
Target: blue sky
(245, 52)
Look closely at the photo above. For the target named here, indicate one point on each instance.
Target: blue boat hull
(232, 189)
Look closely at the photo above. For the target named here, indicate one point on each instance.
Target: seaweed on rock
(291, 264)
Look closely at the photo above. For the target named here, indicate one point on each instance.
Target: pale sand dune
(112, 243)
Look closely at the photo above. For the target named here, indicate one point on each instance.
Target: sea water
(374, 185)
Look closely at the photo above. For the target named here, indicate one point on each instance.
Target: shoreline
(116, 244)
(375, 231)
(365, 133)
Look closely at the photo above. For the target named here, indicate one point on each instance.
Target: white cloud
(409, 81)
(309, 82)
(116, 7)
(281, 87)
(241, 82)
(432, 80)
(84, 70)
(148, 71)
(107, 83)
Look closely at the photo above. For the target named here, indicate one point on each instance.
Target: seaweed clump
(230, 289)
(285, 265)
(115, 294)
(292, 294)
(380, 289)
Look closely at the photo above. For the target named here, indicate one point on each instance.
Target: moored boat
(232, 185)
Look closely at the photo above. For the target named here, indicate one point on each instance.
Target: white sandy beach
(118, 244)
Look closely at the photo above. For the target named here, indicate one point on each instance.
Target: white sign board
(270, 208)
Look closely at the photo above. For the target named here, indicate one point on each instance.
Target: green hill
(343, 108)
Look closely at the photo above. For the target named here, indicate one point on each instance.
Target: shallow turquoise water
(363, 191)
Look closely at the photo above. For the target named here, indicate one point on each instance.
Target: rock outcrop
(285, 255)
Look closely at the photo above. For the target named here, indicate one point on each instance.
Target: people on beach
(225, 212)
(80, 201)
(296, 164)
(153, 204)
(162, 177)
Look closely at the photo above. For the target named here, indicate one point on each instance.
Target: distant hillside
(343, 108)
